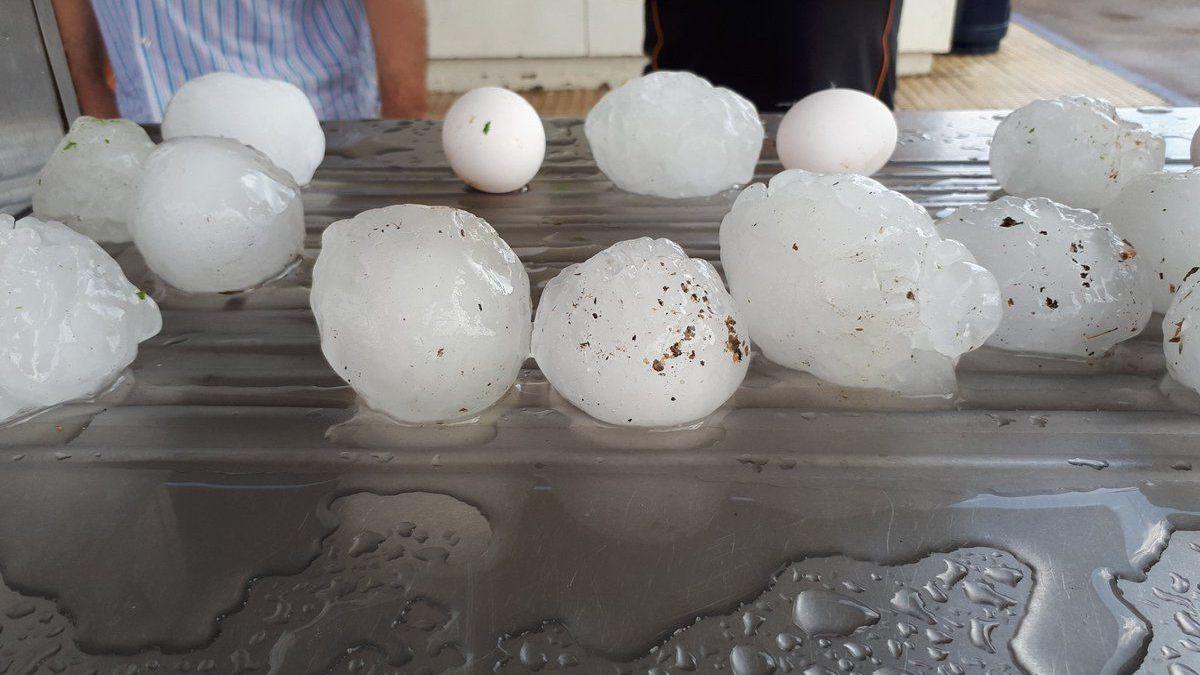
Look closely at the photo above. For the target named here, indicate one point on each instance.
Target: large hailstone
(71, 321)
(841, 277)
(642, 335)
(1069, 285)
(89, 182)
(214, 216)
(272, 116)
(1160, 214)
(672, 134)
(1074, 150)
(424, 310)
(1181, 333)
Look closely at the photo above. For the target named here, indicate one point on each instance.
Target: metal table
(225, 509)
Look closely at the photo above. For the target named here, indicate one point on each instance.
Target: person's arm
(86, 58)
(398, 29)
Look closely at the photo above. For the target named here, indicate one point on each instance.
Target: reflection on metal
(57, 57)
(31, 117)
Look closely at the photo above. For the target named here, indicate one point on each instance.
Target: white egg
(272, 116)
(213, 215)
(493, 139)
(424, 310)
(641, 335)
(837, 131)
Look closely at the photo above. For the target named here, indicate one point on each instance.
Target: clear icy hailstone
(1181, 334)
(424, 310)
(71, 321)
(89, 182)
(672, 134)
(273, 116)
(1069, 286)
(639, 334)
(1073, 150)
(841, 277)
(214, 216)
(1159, 214)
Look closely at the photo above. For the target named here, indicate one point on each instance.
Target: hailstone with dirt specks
(1069, 285)
(89, 183)
(213, 215)
(1074, 150)
(1181, 333)
(424, 310)
(71, 321)
(1160, 214)
(673, 134)
(641, 335)
(839, 276)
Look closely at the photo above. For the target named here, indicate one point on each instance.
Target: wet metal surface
(226, 509)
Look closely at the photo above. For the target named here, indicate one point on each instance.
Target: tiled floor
(1026, 67)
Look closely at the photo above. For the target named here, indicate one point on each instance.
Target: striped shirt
(322, 46)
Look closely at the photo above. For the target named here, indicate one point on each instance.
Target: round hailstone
(1073, 150)
(89, 182)
(672, 134)
(214, 216)
(841, 277)
(641, 335)
(1069, 285)
(1181, 334)
(1160, 215)
(272, 116)
(71, 321)
(424, 310)
(1196, 148)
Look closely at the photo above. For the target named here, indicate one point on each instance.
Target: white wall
(560, 44)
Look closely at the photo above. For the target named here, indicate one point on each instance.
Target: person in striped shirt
(356, 59)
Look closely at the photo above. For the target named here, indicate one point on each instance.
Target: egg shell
(493, 139)
(272, 116)
(837, 131)
(641, 335)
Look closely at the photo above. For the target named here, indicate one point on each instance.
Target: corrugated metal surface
(132, 528)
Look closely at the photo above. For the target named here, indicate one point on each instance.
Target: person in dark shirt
(775, 52)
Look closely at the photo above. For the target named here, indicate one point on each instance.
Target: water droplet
(981, 634)
(935, 592)
(1179, 584)
(910, 603)
(820, 612)
(744, 660)
(983, 593)
(937, 637)
(954, 573)
(1187, 623)
(1097, 464)
(365, 542)
(857, 651)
